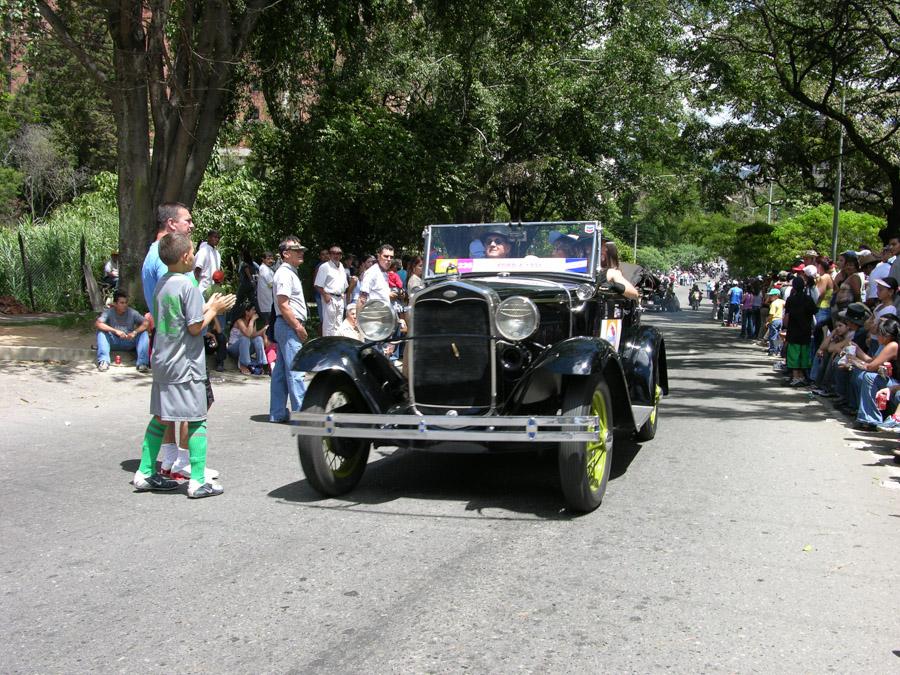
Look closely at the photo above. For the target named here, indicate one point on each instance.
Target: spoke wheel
(584, 466)
(333, 466)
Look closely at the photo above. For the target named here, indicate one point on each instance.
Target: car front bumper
(511, 429)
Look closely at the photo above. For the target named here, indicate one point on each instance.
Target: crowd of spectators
(832, 326)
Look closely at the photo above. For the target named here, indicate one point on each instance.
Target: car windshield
(561, 248)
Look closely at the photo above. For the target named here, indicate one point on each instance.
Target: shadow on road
(520, 483)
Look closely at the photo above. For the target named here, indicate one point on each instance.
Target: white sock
(170, 452)
(193, 485)
(183, 459)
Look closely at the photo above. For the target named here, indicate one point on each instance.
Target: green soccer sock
(153, 438)
(197, 448)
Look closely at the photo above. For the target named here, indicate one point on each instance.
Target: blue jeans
(107, 341)
(869, 384)
(241, 351)
(285, 382)
(774, 328)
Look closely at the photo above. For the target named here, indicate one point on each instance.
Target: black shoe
(864, 426)
(220, 367)
(153, 483)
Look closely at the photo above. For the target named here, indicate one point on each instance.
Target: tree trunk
(893, 212)
(130, 107)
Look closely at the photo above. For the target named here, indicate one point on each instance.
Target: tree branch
(62, 33)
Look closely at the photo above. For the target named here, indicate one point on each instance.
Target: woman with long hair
(243, 336)
(609, 263)
(414, 269)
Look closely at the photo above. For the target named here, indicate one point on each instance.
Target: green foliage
(52, 249)
(407, 113)
(812, 230)
(10, 186)
(653, 259)
(229, 201)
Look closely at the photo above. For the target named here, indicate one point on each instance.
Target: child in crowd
(179, 371)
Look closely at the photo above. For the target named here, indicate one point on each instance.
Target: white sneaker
(183, 472)
(198, 491)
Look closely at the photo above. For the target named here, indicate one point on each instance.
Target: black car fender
(639, 355)
(582, 357)
(371, 372)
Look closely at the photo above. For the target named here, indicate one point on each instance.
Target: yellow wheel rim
(596, 451)
(657, 394)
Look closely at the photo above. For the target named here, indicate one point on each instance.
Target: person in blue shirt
(735, 295)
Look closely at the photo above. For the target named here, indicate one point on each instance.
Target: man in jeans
(290, 333)
(735, 296)
(121, 327)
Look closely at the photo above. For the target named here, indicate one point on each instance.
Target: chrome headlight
(517, 318)
(376, 320)
(584, 292)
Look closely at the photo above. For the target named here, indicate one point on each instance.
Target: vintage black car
(528, 349)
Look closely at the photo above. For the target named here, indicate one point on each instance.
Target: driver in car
(496, 243)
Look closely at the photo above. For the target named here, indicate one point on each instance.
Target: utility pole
(769, 216)
(837, 183)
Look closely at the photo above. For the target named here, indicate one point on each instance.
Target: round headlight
(517, 318)
(376, 320)
(584, 292)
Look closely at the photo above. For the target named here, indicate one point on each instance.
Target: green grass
(81, 321)
(52, 249)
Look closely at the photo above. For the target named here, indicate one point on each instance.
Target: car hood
(535, 288)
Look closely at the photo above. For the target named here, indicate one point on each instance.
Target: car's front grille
(451, 352)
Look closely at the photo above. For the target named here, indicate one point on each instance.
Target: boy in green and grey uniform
(179, 368)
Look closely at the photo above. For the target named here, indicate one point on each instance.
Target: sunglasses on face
(336, 252)
(495, 240)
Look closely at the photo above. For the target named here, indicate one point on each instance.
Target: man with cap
(496, 242)
(290, 332)
(809, 257)
(735, 296)
(773, 322)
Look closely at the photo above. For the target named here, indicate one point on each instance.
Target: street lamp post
(837, 183)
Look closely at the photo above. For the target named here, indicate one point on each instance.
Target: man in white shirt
(290, 333)
(264, 280)
(208, 260)
(331, 283)
(375, 282)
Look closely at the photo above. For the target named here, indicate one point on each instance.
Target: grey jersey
(177, 355)
(126, 322)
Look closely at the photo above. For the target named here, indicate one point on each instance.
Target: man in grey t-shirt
(122, 327)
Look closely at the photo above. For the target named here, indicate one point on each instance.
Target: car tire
(584, 466)
(333, 466)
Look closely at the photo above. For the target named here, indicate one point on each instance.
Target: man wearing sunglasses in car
(496, 243)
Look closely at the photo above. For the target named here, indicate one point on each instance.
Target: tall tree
(839, 59)
(170, 76)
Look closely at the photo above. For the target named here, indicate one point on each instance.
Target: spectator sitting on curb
(245, 335)
(122, 327)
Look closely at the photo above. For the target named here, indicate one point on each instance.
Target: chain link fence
(41, 266)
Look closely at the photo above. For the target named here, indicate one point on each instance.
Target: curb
(23, 353)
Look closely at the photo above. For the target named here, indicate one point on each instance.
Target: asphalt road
(755, 534)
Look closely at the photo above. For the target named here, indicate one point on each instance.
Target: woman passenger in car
(609, 272)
